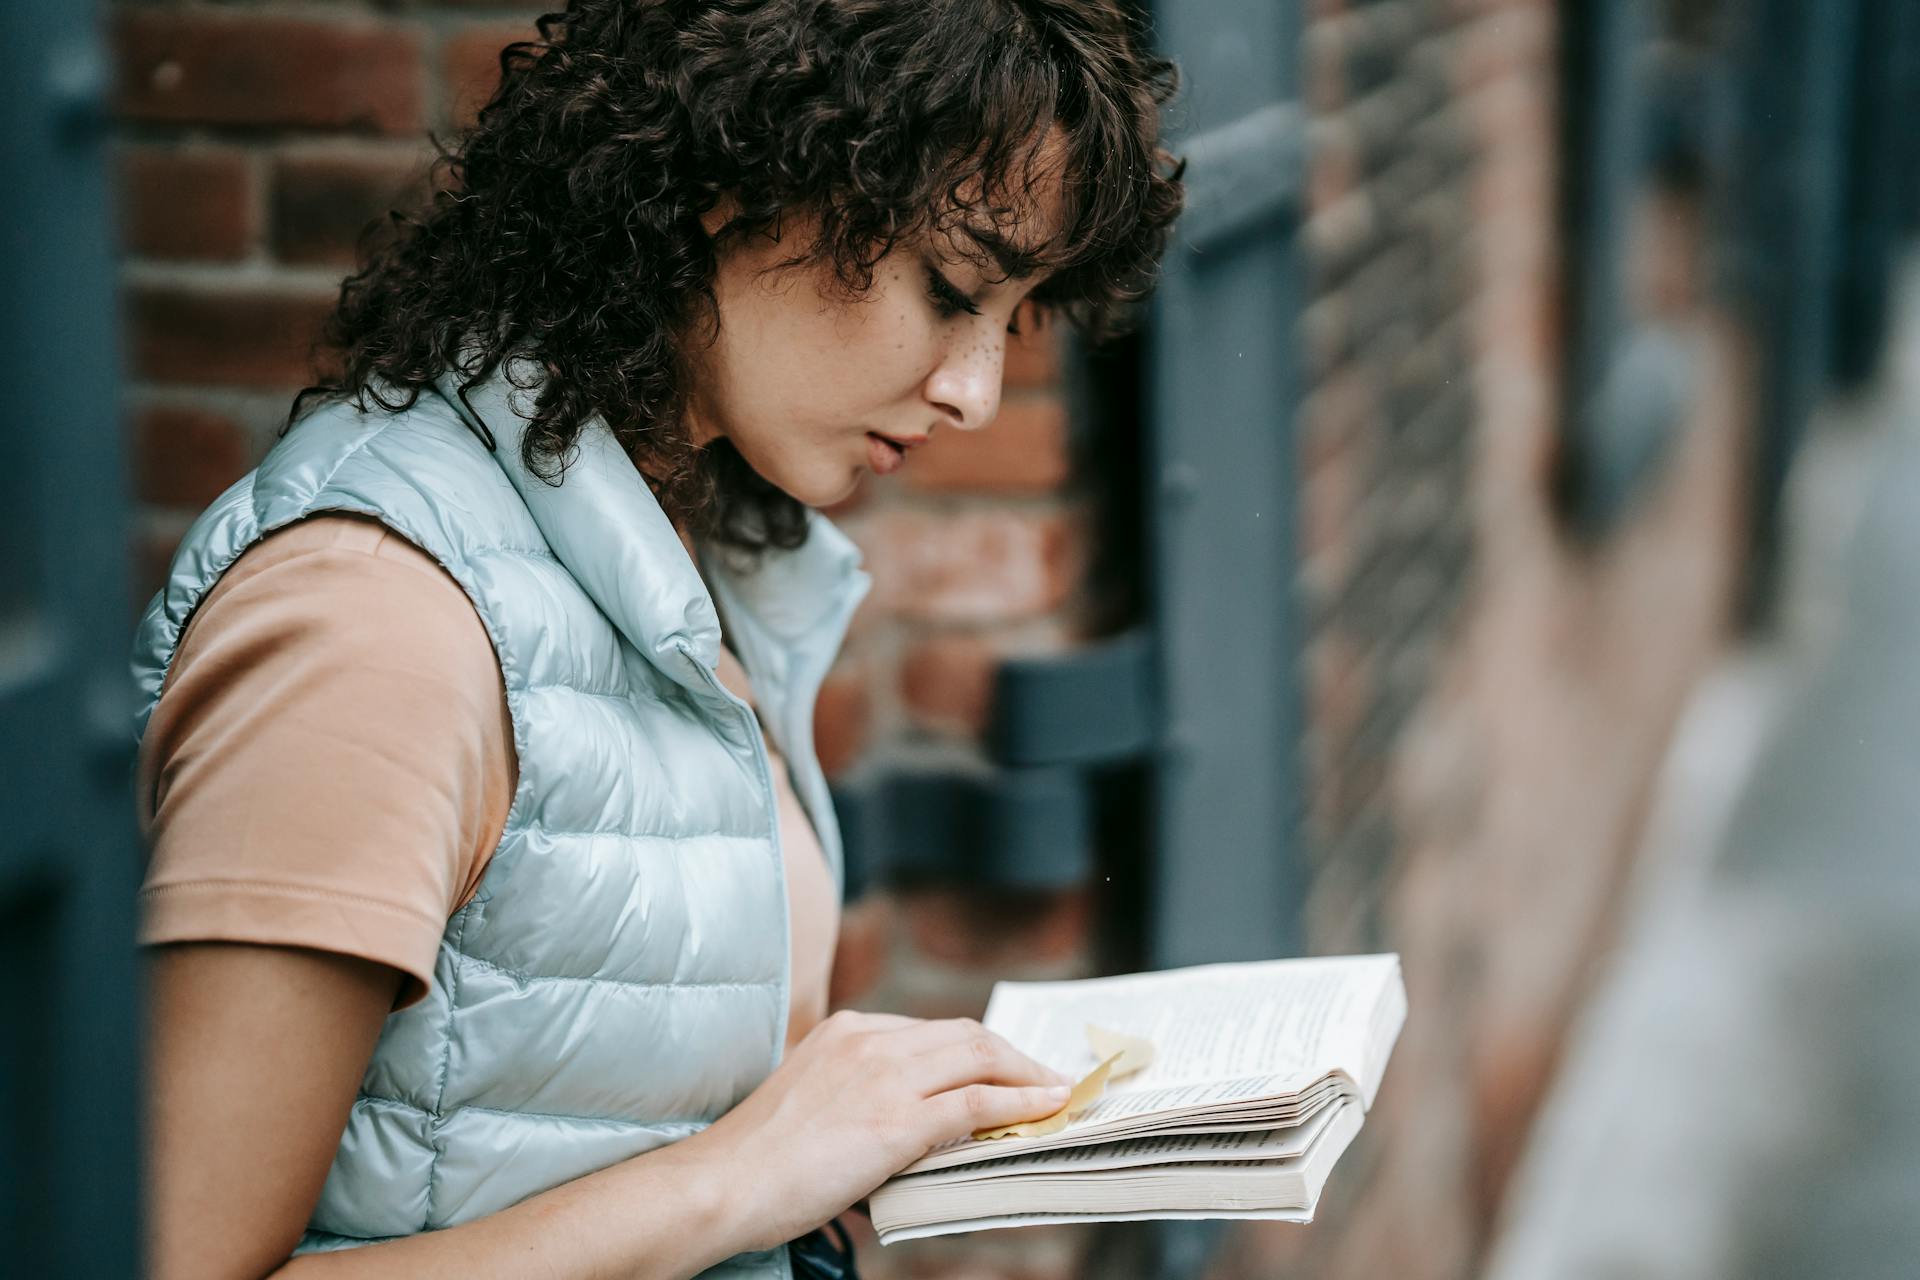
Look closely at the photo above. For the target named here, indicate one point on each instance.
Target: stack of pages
(1258, 1077)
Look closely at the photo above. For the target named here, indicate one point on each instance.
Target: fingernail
(1059, 1091)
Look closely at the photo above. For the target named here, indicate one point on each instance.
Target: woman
(492, 870)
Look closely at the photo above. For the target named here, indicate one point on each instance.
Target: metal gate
(1222, 876)
(1221, 393)
(1825, 98)
(68, 855)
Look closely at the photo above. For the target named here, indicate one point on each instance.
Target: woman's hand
(860, 1098)
(256, 1053)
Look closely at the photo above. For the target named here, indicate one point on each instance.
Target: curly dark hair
(567, 224)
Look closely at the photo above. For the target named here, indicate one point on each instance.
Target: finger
(958, 1112)
(860, 1022)
(979, 1058)
(944, 1033)
(934, 1033)
(886, 1021)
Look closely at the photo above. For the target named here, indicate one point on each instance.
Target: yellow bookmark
(1122, 1055)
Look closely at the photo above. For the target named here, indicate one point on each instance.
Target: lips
(885, 454)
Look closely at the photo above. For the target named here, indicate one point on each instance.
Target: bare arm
(256, 1053)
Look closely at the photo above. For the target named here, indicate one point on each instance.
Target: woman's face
(813, 388)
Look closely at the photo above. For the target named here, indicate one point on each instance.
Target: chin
(827, 493)
(809, 485)
(824, 482)
(816, 487)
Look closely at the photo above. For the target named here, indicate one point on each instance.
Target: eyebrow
(1015, 262)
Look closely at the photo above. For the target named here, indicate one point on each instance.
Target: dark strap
(819, 1255)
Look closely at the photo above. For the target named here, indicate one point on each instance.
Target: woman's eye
(950, 302)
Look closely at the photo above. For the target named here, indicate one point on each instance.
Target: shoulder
(335, 604)
(329, 649)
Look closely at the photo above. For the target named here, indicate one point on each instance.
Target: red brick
(185, 456)
(1326, 332)
(1514, 41)
(997, 929)
(1342, 414)
(1024, 450)
(840, 718)
(860, 958)
(1033, 357)
(1263, 1250)
(1333, 164)
(253, 337)
(202, 67)
(186, 202)
(1339, 686)
(1332, 495)
(973, 566)
(323, 203)
(1325, 49)
(1340, 235)
(470, 66)
(1510, 1081)
(947, 683)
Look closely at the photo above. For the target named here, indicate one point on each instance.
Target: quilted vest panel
(620, 977)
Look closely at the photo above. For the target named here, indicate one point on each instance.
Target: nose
(965, 385)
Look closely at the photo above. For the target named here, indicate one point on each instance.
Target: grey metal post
(68, 858)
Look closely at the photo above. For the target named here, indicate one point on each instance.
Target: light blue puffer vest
(620, 978)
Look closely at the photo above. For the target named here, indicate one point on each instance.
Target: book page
(1283, 1023)
(1232, 1107)
(1283, 1143)
(1048, 1219)
(1287, 1188)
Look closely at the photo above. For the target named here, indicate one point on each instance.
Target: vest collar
(610, 532)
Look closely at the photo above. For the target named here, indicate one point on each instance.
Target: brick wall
(1486, 700)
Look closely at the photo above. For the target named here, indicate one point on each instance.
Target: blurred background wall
(1543, 385)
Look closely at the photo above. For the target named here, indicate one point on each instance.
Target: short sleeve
(330, 762)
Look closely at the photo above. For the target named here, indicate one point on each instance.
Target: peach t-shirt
(331, 762)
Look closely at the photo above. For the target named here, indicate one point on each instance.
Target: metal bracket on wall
(1090, 706)
(1023, 818)
(1630, 425)
(1243, 174)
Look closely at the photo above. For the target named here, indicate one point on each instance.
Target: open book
(1260, 1076)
